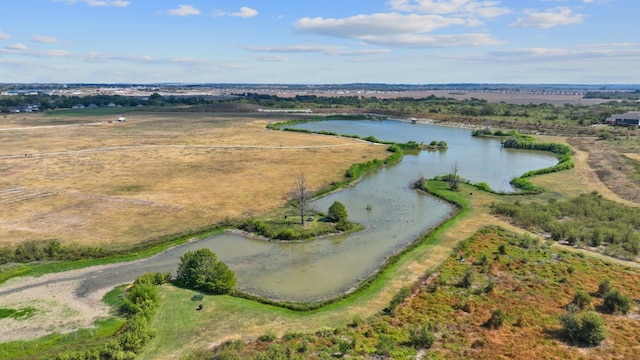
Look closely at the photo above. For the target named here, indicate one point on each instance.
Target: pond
(392, 213)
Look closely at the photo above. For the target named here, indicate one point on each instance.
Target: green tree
(201, 270)
(337, 212)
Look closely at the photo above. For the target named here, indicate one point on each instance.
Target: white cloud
(486, 9)
(17, 47)
(184, 10)
(549, 18)
(42, 39)
(573, 54)
(245, 12)
(117, 3)
(434, 41)
(322, 49)
(4, 36)
(380, 24)
(398, 30)
(270, 58)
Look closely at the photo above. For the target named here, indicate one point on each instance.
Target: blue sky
(320, 42)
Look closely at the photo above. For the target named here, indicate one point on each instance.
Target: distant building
(626, 119)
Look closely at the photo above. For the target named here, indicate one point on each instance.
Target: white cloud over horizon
(550, 18)
(486, 9)
(43, 39)
(245, 12)
(184, 10)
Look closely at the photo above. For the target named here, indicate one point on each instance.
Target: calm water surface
(327, 267)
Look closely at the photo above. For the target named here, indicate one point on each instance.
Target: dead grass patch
(158, 174)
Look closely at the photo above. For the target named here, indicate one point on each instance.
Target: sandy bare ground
(58, 308)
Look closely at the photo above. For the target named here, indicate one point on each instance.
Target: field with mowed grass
(114, 184)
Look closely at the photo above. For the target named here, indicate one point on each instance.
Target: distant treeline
(50, 102)
(427, 107)
(618, 95)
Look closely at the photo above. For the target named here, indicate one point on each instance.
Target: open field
(157, 174)
(223, 166)
(512, 97)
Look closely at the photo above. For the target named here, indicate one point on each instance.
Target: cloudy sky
(320, 41)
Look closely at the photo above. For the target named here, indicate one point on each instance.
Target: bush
(155, 278)
(604, 287)
(421, 337)
(268, 337)
(467, 279)
(201, 270)
(586, 328)
(615, 301)
(496, 320)
(141, 298)
(398, 299)
(581, 299)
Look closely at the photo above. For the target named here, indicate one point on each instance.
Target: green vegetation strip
(51, 256)
(18, 314)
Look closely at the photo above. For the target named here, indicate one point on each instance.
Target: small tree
(453, 178)
(337, 212)
(201, 270)
(302, 197)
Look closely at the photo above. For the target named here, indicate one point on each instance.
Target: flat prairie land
(87, 181)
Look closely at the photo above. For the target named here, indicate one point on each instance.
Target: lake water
(328, 267)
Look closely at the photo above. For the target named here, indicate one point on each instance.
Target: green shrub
(155, 278)
(421, 337)
(268, 337)
(496, 320)
(615, 301)
(398, 299)
(386, 345)
(581, 299)
(141, 298)
(585, 328)
(483, 186)
(467, 279)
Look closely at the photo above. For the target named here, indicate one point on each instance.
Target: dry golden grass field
(156, 174)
